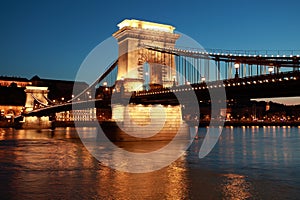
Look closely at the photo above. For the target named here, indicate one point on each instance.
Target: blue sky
(52, 38)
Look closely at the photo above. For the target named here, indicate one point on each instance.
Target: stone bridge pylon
(138, 67)
(35, 97)
(132, 36)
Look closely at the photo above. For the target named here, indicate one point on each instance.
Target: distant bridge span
(79, 105)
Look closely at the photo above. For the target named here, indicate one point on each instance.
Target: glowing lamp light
(236, 65)
(105, 84)
(203, 79)
(271, 69)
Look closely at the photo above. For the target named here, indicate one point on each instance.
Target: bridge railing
(237, 52)
(270, 78)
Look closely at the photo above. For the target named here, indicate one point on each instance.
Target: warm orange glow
(154, 122)
(236, 187)
(270, 69)
(146, 25)
(36, 88)
(18, 83)
(236, 65)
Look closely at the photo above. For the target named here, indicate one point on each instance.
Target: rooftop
(10, 78)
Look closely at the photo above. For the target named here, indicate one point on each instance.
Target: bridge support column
(36, 122)
(147, 123)
(132, 37)
(34, 97)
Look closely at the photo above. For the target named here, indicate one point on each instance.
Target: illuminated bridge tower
(133, 36)
(139, 66)
(35, 96)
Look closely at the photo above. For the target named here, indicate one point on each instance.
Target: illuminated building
(13, 97)
(6, 81)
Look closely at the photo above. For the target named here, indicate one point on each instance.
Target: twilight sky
(52, 38)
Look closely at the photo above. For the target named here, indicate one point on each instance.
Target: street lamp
(236, 66)
(203, 79)
(270, 69)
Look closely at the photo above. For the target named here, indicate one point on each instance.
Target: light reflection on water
(262, 161)
(257, 162)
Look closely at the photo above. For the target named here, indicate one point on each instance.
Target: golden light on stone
(131, 34)
(146, 25)
(157, 122)
(34, 93)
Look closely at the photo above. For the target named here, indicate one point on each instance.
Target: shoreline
(251, 124)
(4, 124)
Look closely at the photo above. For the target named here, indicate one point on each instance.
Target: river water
(246, 163)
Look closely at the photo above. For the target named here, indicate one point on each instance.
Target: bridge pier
(35, 122)
(139, 66)
(146, 123)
